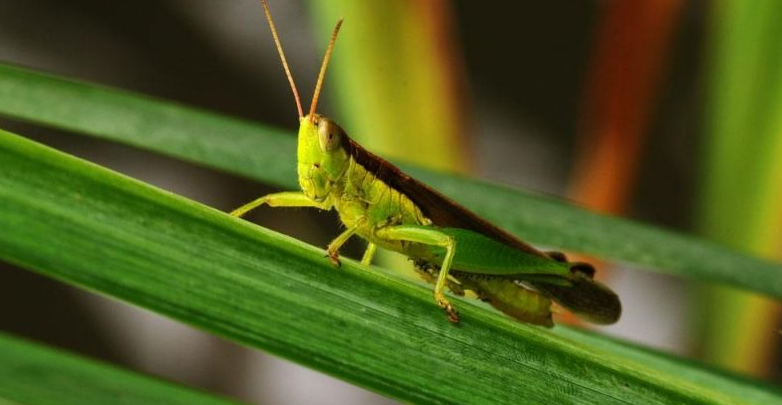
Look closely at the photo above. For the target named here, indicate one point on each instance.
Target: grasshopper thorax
(322, 156)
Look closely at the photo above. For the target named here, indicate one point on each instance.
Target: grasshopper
(451, 247)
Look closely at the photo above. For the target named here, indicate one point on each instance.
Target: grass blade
(34, 374)
(85, 225)
(224, 143)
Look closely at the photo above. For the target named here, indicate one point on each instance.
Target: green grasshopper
(451, 247)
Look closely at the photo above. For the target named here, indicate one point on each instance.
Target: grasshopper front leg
(431, 237)
(283, 199)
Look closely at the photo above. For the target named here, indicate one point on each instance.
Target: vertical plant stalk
(741, 196)
(630, 55)
(398, 80)
(630, 52)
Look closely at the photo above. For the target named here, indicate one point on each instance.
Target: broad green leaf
(85, 225)
(268, 155)
(31, 374)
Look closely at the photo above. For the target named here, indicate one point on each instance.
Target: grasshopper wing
(587, 298)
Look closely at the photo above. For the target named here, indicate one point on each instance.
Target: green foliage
(740, 191)
(85, 225)
(33, 374)
(268, 155)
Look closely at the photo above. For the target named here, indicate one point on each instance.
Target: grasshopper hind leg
(429, 272)
(430, 237)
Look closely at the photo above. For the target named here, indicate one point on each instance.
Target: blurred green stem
(742, 196)
(397, 78)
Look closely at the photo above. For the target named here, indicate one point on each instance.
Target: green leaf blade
(34, 374)
(87, 226)
(268, 155)
(165, 127)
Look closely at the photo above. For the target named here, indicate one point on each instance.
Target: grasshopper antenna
(322, 73)
(282, 58)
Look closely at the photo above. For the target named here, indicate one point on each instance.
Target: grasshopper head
(322, 157)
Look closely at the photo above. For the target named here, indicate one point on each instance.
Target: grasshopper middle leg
(332, 250)
(366, 260)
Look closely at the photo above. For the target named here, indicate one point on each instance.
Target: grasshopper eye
(329, 135)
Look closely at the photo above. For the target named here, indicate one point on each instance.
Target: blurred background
(664, 111)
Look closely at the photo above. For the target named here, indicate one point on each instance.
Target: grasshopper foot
(334, 257)
(450, 311)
